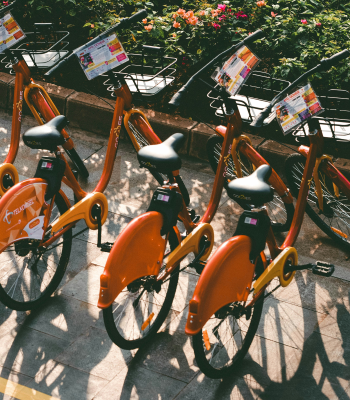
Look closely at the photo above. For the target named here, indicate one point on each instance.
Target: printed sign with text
(236, 70)
(101, 55)
(10, 32)
(297, 108)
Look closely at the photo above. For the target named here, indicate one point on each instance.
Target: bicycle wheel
(78, 162)
(334, 220)
(139, 311)
(280, 213)
(29, 275)
(226, 337)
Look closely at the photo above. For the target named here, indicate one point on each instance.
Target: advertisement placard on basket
(10, 32)
(100, 56)
(295, 109)
(236, 70)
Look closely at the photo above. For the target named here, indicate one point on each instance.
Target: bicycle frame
(112, 281)
(207, 301)
(83, 208)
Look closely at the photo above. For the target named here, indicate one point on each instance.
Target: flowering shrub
(298, 33)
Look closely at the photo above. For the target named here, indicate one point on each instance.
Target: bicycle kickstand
(96, 213)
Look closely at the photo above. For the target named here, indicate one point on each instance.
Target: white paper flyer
(101, 55)
(236, 70)
(10, 32)
(297, 108)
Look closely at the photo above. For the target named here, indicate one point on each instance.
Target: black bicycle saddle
(47, 136)
(254, 188)
(163, 157)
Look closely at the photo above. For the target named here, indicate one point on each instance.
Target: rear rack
(142, 77)
(42, 49)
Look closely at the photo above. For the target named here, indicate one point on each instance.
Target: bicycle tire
(116, 332)
(280, 213)
(27, 272)
(214, 365)
(336, 215)
(78, 162)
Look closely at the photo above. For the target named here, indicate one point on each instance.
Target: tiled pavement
(301, 350)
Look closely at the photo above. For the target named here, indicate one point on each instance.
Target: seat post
(171, 177)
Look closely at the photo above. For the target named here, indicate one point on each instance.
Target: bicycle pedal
(323, 268)
(106, 247)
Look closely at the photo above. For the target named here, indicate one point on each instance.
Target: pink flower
(223, 17)
(202, 12)
(222, 7)
(6, 3)
(193, 20)
(216, 26)
(240, 14)
(229, 10)
(273, 15)
(303, 21)
(176, 24)
(149, 28)
(318, 24)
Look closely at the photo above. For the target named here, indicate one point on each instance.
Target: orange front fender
(137, 252)
(226, 278)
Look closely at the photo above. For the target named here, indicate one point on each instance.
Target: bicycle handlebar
(10, 6)
(60, 65)
(322, 66)
(331, 61)
(177, 98)
(124, 23)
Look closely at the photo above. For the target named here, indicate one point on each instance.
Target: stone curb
(90, 113)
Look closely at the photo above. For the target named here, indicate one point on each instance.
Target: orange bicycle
(22, 60)
(226, 306)
(36, 217)
(141, 274)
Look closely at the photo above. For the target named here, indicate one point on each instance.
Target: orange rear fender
(226, 278)
(22, 212)
(137, 252)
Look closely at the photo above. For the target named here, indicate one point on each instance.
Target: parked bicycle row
(140, 278)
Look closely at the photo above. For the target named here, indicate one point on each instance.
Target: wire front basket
(146, 74)
(260, 89)
(42, 49)
(254, 96)
(335, 120)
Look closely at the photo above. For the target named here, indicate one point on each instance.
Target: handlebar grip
(139, 16)
(177, 98)
(125, 23)
(259, 120)
(331, 61)
(259, 34)
(59, 65)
